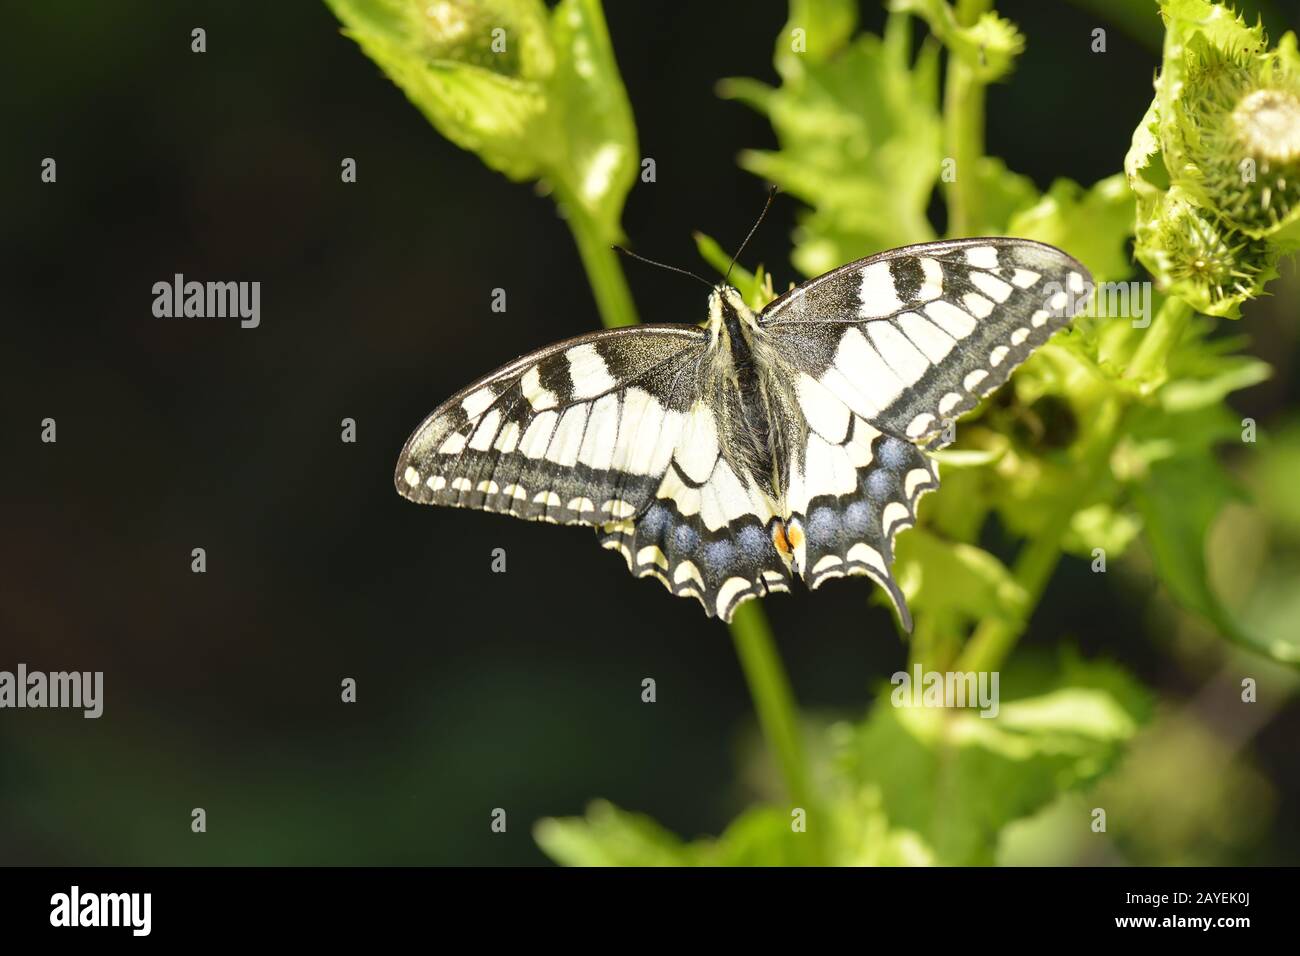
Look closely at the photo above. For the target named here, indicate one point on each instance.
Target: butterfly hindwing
(850, 493)
(914, 337)
(707, 532)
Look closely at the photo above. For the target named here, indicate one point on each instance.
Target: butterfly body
(727, 458)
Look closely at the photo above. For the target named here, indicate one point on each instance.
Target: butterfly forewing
(577, 433)
(912, 338)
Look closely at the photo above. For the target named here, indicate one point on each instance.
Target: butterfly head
(729, 317)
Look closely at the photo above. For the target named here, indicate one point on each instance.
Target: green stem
(994, 638)
(1166, 329)
(963, 123)
(777, 714)
(604, 271)
(768, 684)
(778, 717)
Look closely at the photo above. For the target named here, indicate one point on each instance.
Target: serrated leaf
(500, 118)
(1093, 224)
(859, 134)
(956, 779)
(989, 46)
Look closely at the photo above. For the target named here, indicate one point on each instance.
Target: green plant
(1104, 444)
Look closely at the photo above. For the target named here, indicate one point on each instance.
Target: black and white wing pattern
(880, 355)
(850, 493)
(722, 460)
(576, 433)
(616, 430)
(912, 338)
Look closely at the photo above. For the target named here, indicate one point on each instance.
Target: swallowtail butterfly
(724, 459)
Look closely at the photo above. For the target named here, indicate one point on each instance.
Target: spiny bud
(1205, 262)
(1239, 126)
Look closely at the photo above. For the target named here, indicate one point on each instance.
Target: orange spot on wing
(785, 538)
(779, 539)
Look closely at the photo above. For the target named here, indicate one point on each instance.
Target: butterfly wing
(614, 430)
(849, 493)
(708, 530)
(912, 338)
(576, 433)
(880, 355)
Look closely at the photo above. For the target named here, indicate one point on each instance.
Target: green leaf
(1181, 495)
(1004, 193)
(956, 779)
(955, 583)
(1234, 372)
(989, 46)
(761, 836)
(506, 36)
(906, 786)
(535, 96)
(1179, 501)
(1272, 478)
(608, 836)
(859, 142)
(1102, 525)
(815, 31)
(1093, 225)
(498, 117)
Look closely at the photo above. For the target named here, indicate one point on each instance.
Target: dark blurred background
(475, 690)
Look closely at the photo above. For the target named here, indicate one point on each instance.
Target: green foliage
(1092, 223)
(988, 46)
(959, 584)
(905, 786)
(1098, 435)
(1108, 437)
(1215, 163)
(536, 94)
(859, 131)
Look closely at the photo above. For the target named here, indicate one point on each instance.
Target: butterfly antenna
(664, 265)
(771, 194)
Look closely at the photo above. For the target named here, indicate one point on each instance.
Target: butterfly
(727, 458)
